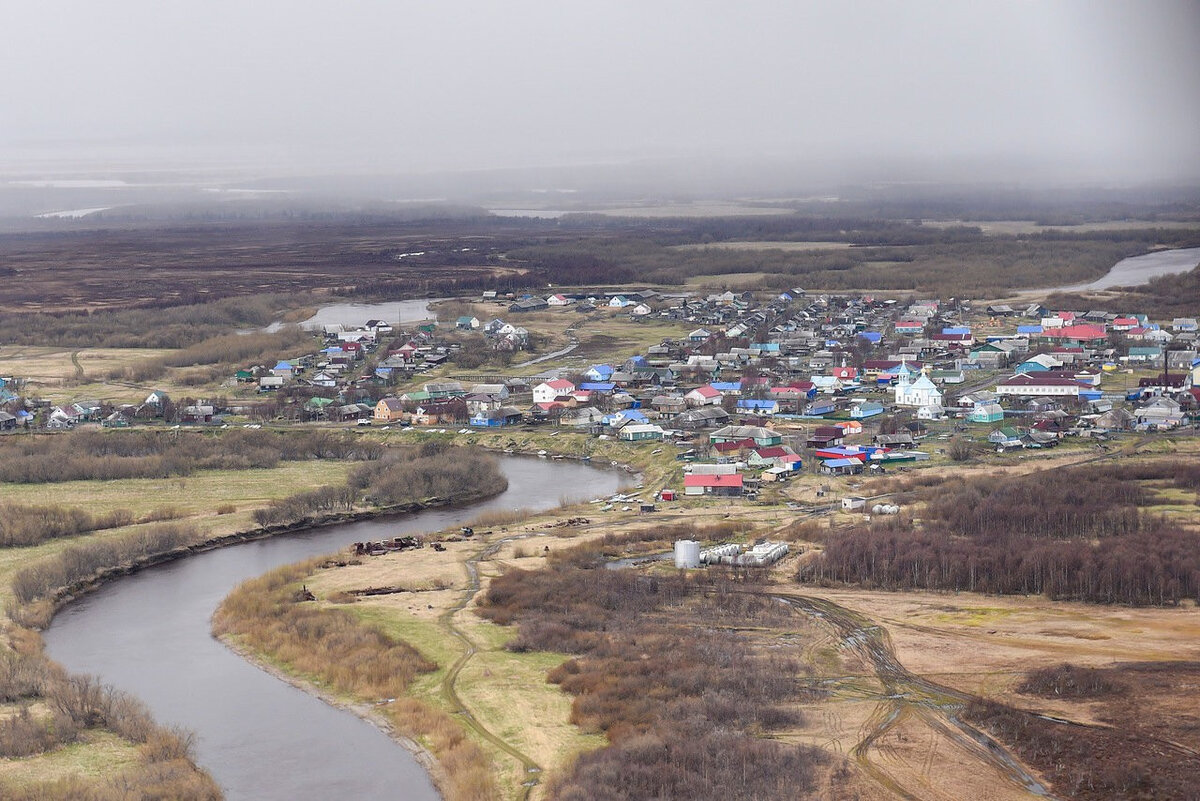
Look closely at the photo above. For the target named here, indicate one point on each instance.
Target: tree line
(1072, 534)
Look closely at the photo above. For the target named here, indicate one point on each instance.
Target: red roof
(772, 452)
(560, 383)
(726, 447)
(1079, 332)
(731, 480)
(707, 391)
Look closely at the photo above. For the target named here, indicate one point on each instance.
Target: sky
(1110, 89)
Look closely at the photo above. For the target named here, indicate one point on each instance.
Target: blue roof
(601, 369)
(956, 329)
(597, 386)
(841, 462)
(1029, 329)
(727, 386)
(627, 414)
(283, 366)
(870, 336)
(750, 403)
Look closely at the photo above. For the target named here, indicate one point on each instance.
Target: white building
(547, 391)
(917, 393)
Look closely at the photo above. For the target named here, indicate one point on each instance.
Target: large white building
(917, 393)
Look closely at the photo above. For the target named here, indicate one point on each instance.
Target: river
(260, 738)
(355, 315)
(1138, 270)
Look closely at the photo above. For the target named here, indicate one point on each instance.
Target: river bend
(260, 738)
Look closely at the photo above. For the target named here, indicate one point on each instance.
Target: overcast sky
(390, 84)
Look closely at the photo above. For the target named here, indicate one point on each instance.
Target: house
(850, 427)
(529, 305)
(198, 414)
(861, 410)
(158, 399)
(388, 410)
(1115, 420)
(8, 422)
(762, 437)
(549, 391)
(1039, 364)
(931, 413)
(440, 390)
(699, 335)
(703, 417)
(764, 406)
(269, 382)
(668, 405)
(558, 300)
(825, 437)
(775, 456)
(619, 302)
(726, 485)
(497, 418)
(820, 407)
(323, 379)
(440, 413)
(1161, 412)
(283, 370)
(599, 372)
(1006, 438)
(841, 467)
(467, 323)
(703, 396)
(986, 413)
(853, 503)
(640, 433)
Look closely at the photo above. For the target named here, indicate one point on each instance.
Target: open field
(1032, 227)
(766, 245)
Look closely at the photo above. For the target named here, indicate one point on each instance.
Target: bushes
(31, 525)
(432, 471)
(410, 475)
(1070, 681)
(107, 456)
(301, 505)
(684, 708)
(80, 562)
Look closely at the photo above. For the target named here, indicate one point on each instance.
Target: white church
(916, 393)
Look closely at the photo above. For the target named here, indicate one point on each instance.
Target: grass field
(766, 245)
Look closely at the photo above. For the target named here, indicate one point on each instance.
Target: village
(751, 390)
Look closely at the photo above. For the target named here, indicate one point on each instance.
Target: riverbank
(369, 712)
(24, 621)
(38, 617)
(168, 654)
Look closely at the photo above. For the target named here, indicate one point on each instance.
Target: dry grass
(331, 645)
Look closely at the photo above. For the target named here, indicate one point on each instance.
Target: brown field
(167, 265)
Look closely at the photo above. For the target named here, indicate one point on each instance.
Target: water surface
(263, 740)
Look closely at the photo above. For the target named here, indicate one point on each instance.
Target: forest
(1084, 533)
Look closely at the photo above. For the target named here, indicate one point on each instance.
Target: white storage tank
(687, 554)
